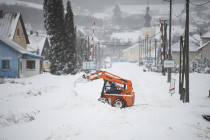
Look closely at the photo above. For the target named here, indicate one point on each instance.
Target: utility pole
(187, 51)
(169, 52)
(155, 52)
(99, 56)
(150, 42)
(139, 48)
(162, 46)
(88, 48)
(147, 46)
(180, 65)
(165, 40)
(142, 52)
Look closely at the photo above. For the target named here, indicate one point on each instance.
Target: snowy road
(46, 107)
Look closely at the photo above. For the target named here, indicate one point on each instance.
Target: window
(5, 64)
(30, 64)
(18, 32)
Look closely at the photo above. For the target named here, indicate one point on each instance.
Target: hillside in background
(32, 17)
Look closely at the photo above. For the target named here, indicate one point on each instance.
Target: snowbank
(55, 111)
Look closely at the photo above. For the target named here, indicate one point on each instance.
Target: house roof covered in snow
(8, 24)
(193, 45)
(197, 37)
(206, 35)
(36, 43)
(17, 47)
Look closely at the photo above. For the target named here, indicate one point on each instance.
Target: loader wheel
(118, 103)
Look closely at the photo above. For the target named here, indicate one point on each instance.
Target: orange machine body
(123, 92)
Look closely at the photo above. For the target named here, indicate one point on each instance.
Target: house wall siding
(176, 56)
(132, 54)
(21, 39)
(6, 53)
(29, 72)
(205, 40)
(206, 51)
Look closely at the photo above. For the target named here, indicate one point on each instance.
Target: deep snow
(48, 107)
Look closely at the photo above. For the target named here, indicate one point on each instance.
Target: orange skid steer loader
(116, 90)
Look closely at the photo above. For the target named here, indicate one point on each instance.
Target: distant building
(39, 44)
(204, 49)
(148, 31)
(196, 48)
(15, 60)
(147, 18)
(193, 50)
(131, 54)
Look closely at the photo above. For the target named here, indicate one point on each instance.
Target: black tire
(119, 103)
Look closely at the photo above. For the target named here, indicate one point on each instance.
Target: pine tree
(54, 24)
(70, 43)
(45, 13)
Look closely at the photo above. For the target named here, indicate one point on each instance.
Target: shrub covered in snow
(200, 65)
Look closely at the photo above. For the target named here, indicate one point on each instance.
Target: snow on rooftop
(206, 35)
(8, 24)
(134, 46)
(193, 45)
(14, 45)
(36, 43)
(17, 47)
(197, 37)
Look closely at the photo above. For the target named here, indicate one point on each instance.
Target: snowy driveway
(46, 107)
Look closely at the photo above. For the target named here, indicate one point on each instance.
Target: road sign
(172, 86)
(169, 64)
(88, 65)
(150, 60)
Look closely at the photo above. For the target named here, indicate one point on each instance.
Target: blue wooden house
(15, 61)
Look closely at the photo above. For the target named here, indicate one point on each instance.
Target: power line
(199, 4)
(113, 29)
(193, 20)
(181, 13)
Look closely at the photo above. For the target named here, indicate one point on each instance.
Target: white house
(193, 49)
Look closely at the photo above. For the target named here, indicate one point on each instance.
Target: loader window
(111, 88)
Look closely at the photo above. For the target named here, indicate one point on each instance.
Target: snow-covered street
(48, 107)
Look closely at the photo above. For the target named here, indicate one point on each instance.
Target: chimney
(1, 13)
(201, 33)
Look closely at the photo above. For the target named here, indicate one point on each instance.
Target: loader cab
(111, 87)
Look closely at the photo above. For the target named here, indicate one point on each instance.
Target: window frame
(18, 32)
(7, 65)
(30, 64)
